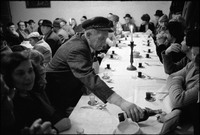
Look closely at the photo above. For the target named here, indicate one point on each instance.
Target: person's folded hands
(175, 47)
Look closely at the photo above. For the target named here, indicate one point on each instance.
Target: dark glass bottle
(147, 113)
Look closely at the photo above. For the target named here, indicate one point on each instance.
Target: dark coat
(170, 66)
(176, 56)
(28, 109)
(12, 39)
(53, 40)
(150, 26)
(75, 56)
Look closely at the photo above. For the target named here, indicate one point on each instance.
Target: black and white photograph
(99, 67)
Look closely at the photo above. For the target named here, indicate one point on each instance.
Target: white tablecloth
(129, 86)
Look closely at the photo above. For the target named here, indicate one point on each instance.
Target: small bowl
(127, 127)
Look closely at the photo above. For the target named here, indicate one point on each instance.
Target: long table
(128, 85)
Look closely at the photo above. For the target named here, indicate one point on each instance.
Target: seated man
(190, 40)
(183, 89)
(75, 56)
(128, 22)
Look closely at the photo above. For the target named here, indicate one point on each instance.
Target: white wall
(77, 9)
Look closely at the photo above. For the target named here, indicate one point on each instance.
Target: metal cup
(140, 65)
(108, 66)
(111, 56)
(139, 74)
(148, 95)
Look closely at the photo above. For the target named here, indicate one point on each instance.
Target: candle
(131, 29)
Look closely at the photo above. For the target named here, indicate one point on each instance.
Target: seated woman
(117, 27)
(73, 23)
(174, 34)
(162, 23)
(8, 119)
(29, 102)
(183, 89)
(146, 25)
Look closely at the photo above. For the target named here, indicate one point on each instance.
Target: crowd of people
(41, 86)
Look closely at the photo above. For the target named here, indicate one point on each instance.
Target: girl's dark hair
(145, 17)
(9, 63)
(176, 30)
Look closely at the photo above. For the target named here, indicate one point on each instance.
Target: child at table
(30, 101)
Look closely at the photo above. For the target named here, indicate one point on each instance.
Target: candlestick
(131, 67)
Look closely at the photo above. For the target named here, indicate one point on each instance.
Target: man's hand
(175, 47)
(133, 111)
(40, 128)
(15, 33)
(101, 55)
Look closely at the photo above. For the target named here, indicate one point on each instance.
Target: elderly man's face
(97, 39)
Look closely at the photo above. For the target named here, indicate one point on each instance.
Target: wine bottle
(147, 113)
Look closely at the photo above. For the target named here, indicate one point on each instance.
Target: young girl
(30, 102)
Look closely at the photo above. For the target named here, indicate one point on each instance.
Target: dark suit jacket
(75, 56)
(151, 27)
(176, 56)
(53, 40)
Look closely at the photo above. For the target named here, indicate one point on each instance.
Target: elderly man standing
(75, 56)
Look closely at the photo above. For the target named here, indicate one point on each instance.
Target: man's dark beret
(98, 23)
